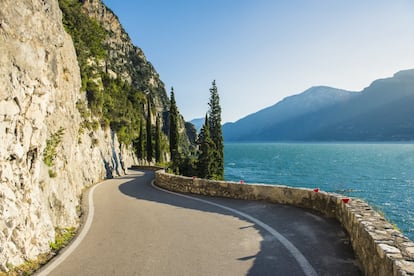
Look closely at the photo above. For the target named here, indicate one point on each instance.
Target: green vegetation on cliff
(88, 36)
(116, 103)
(122, 89)
(113, 100)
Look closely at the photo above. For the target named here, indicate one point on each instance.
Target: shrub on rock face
(49, 153)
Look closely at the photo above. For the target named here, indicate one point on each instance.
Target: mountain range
(381, 112)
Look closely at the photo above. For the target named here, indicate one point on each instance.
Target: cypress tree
(173, 133)
(149, 133)
(140, 147)
(157, 141)
(214, 122)
(205, 163)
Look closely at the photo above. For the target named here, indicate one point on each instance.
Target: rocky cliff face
(124, 59)
(128, 62)
(46, 158)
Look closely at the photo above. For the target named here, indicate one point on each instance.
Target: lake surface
(381, 174)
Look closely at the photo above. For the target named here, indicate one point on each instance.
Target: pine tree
(157, 141)
(205, 163)
(214, 121)
(149, 133)
(173, 133)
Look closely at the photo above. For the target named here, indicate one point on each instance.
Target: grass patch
(62, 238)
(28, 267)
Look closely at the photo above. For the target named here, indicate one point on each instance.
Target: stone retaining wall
(381, 249)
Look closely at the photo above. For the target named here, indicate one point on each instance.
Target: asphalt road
(137, 229)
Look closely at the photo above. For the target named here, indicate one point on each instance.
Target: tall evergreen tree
(205, 163)
(173, 133)
(157, 141)
(149, 133)
(214, 121)
(140, 147)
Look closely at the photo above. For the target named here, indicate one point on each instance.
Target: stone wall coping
(380, 247)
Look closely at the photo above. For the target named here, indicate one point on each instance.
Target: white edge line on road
(302, 261)
(85, 229)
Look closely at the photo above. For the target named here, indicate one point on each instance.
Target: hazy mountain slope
(198, 123)
(263, 121)
(382, 111)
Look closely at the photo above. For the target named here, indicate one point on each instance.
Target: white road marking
(302, 261)
(60, 258)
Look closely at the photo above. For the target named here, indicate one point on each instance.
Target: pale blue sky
(260, 51)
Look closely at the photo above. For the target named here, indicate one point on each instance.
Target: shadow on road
(321, 240)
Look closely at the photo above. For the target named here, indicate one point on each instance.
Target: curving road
(138, 229)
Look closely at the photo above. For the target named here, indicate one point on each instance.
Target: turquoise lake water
(381, 174)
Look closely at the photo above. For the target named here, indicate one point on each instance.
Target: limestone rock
(39, 87)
